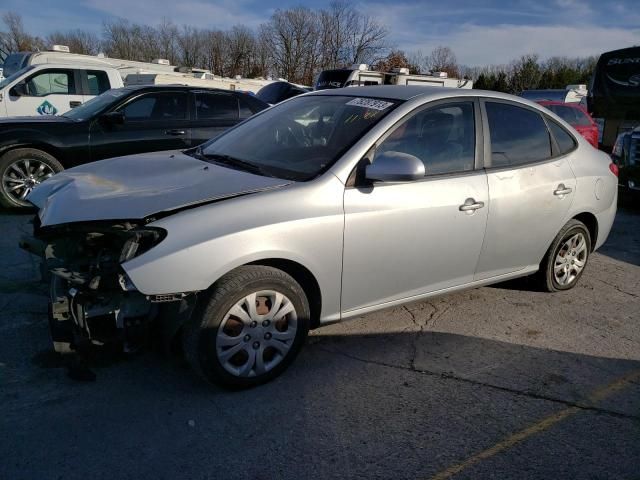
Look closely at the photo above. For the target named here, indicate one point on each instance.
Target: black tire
(200, 333)
(7, 198)
(546, 277)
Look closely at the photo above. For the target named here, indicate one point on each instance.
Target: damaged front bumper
(92, 300)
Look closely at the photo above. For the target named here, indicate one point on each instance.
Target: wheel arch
(304, 277)
(44, 147)
(591, 222)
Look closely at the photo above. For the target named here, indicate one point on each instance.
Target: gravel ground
(496, 382)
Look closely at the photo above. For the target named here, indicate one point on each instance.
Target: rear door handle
(175, 132)
(562, 190)
(75, 103)
(470, 205)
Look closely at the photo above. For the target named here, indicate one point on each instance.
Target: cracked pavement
(497, 382)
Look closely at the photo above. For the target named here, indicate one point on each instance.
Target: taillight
(614, 168)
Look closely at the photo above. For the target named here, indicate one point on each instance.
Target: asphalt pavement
(497, 382)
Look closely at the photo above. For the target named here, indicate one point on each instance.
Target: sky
(479, 32)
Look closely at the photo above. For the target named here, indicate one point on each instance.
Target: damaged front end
(93, 301)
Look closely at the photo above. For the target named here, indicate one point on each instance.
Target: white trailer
(361, 75)
(197, 79)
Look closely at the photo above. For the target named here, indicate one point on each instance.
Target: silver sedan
(325, 207)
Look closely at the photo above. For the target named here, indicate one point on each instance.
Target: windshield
(540, 95)
(11, 78)
(571, 115)
(298, 139)
(15, 62)
(95, 105)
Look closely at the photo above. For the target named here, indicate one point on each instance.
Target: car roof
(175, 86)
(408, 92)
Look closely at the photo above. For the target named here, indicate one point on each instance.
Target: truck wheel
(248, 327)
(21, 170)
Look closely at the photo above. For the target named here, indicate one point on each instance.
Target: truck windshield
(11, 78)
(298, 139)
(96, 105)
(15, 62)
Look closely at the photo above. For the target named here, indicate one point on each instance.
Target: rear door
(214, 112)
(153, 121)
(48, 91)
(531, 188)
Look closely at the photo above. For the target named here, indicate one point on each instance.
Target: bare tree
(442, 59)
(14, 38)
(293, 37)
(78, 41)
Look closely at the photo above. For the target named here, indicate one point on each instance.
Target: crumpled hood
(138, 186)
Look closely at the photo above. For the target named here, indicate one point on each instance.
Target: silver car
(328, 206)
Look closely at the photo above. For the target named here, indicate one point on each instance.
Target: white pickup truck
(54, 88)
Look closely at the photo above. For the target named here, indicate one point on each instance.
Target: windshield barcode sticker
(370, 103)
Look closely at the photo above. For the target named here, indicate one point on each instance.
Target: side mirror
(395, 167)
(112, 118)
(19, 90)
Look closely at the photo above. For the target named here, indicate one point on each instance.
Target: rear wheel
(249, 327)
(22, 170)
(566, 258)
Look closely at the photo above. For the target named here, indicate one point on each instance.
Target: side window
(51, 82)
(518, 135)
(216, 106)
(98, 82)
(157, 107)
(245, 108)
(565, 142)
(443, 138)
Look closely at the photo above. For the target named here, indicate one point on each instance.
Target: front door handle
(470, 205)
(175, 132)
(75, 103)
(561, 191)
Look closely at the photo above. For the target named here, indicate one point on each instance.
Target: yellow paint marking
(542, 425)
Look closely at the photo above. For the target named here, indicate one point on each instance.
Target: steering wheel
(291, 134)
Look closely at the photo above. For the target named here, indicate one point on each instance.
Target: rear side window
(565, 141)
(98, 82)
(518, 135)
(216, 106)
(157, 107)
(50, 82)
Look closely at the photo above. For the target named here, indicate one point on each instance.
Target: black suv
(119, 122)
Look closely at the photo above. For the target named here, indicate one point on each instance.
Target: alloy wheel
(21, 177)
(570, 260)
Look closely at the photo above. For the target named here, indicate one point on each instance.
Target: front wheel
(21, 171)
(249, 327)
(566, 258)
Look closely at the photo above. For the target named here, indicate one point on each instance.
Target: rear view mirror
(19, 90)
(395, 167)
(113, 118)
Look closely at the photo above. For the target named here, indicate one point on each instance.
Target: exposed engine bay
(93, 301)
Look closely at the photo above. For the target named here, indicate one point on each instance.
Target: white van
(52, 89)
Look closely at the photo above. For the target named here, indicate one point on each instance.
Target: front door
(50, 91)
(153, 121)
(531, 186)
(408, 239)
